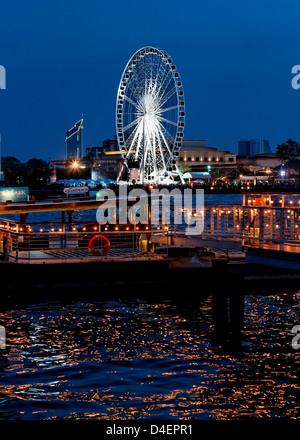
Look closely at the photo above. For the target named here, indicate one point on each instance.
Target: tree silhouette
(288, 150)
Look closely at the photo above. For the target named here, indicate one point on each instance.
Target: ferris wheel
(150, 114)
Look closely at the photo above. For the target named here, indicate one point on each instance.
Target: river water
(112, 355)
(136, 359)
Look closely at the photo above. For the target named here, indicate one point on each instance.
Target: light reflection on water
(137, 359)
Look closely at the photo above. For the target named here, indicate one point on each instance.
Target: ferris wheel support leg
(120, 174)
(180, 174)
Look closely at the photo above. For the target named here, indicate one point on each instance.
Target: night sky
(65, 58)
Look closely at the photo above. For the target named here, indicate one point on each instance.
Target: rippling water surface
(137, 359)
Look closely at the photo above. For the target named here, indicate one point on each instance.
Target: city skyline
(63, 61)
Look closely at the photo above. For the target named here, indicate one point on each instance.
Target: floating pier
(261, 232)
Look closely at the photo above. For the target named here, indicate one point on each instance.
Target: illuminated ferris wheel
(150, 114)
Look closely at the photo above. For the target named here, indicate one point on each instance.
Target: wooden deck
(79, 255)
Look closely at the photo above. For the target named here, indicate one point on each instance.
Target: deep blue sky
(64, 58)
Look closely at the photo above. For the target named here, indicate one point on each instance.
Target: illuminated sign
(76, 190)
(17, 194)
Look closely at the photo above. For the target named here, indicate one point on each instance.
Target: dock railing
(30, 243)
(272, 220)
(252, 224)
(261, 221)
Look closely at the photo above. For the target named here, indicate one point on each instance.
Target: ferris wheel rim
(172, 142)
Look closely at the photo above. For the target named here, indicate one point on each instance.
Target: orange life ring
(105, 245)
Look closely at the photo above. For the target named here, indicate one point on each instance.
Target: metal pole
(143, 157)
(81, 138)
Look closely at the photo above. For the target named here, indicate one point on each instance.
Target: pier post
(63, 227)
(23, 217)
(261, 227)
(220, 299)
(70, 214)
(282, 228)
(227, 304)
(236, 311)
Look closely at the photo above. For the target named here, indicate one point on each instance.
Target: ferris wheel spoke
(166, 143)
(161, 72)
(134, 103)
(130, 138)
(167, 121)
(136, 132)
(165, 84)
(130, 142)
(134, 88)
(132, 124)
(168, 96)
(139, 141)
(155, 158)
(160, 137)
(166, 132)
(161, 163)
(163, 129)
(163, 110)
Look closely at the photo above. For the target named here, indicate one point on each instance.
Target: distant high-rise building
(108, 145)
(244, 148)
(253, 146)
(74, 140)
